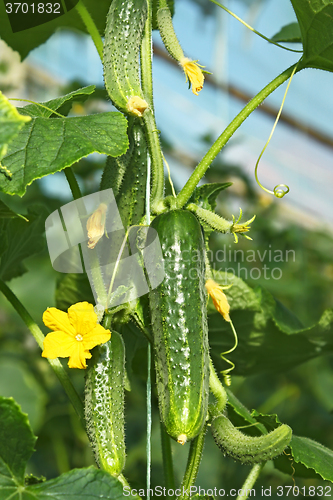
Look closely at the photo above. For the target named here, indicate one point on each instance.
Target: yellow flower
(136, 105)
(95, 225)
(74, 334)
(219, 299)
(193, 73)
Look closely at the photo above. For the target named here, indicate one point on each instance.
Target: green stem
(157, 167)
(221, 141)
(217, 389)
(146, 60)
(193, 462)
(169, 478)
(125, 484)
(91, 28)
(250, 481)
(39, 337)
(95, 269)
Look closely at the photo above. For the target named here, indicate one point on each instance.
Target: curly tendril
(281, 189)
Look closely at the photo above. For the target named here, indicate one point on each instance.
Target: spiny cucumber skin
(127, 176)
(168, 34)
(104, 404)
(249, 449)
(179, 322)
(123, 35)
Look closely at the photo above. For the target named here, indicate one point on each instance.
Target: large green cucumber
(104, 404)
(179, 322)
(249, 449)
(123, 35)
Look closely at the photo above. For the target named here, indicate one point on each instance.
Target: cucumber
(179, 323)
(249, 449)
(127, 176)
(123, 35)
(104, 404)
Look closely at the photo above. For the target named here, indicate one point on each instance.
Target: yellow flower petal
(78, 357)
(193, 73)
(219, 299)
(97, 336)
(82, 317)
(57, 320)
(58, 345)
(96, 225)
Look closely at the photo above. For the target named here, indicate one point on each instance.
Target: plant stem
(169, 478)
(91, 28)
(250, 481)
(95, 269)
(125, 484)
(193, 462)
(152, 133)
(221, 141)
(217, 388)
(39, 337)
(157, 169)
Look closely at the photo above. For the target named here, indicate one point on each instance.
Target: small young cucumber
(123, 35)
(104, 404)
(179, 322)
(249, 449)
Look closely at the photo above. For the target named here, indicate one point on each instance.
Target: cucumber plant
(172, 317)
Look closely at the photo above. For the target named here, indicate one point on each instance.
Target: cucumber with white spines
(123, 36)
(104, 404)
(249, 449)
(168, 34)
(179, 324)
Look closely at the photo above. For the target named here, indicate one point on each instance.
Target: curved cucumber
(249, 449)
(104, 404)
(168, 34)
(179, 322)
(123, 35)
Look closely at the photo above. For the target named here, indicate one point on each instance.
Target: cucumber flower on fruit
(96, 225)
(219, 299)
(193, 73)
(74, 334)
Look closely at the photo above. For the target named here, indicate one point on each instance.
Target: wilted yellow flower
(74, 334)
(136, 105)
(193, 73)
(96, 225)
(219, 299)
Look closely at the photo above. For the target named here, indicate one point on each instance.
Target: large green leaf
(290, 33)
(16, 446)
(10, 124)
(315, 18)
(16, 439)
(45, 146)
(271, 338)
(20, 239)
(40, 109)
(25, 41)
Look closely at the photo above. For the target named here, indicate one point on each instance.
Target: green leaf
(271, 338)
(16, 440)
(243, 412)
(45, 146)
(10, 124)
(290, 33)
(72, 288)
(16, 446)
(23, 239)
(315, 18)
(205, 196)
(7, 213)
(39, 109)
(24, 41)
(310, 459)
